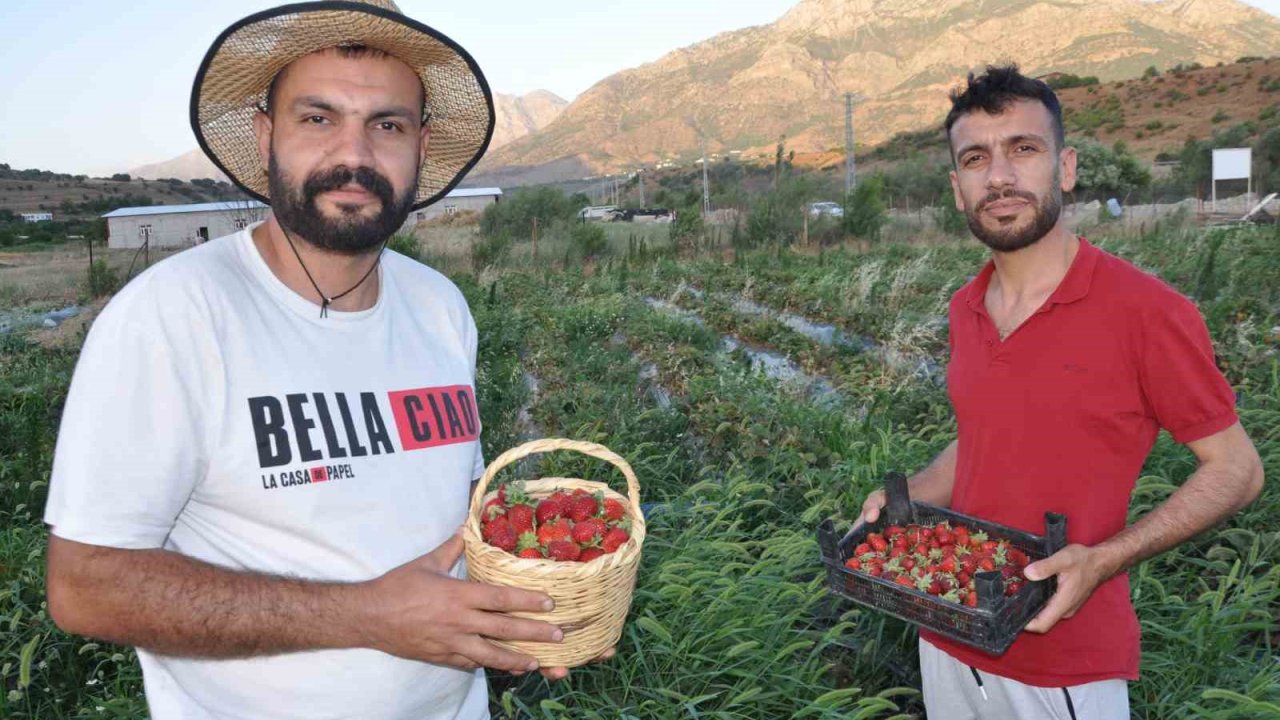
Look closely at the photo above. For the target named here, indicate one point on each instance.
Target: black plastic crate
(993, 625)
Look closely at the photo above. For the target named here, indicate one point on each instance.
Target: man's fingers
(506, 627)
(481, 651)
(1049, 616)
(560, 673)
(500, 598)
(1051, 565)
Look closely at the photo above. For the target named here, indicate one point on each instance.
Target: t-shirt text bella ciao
(353, 427)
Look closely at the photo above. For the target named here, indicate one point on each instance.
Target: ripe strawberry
(488, 529)
(1013, 587)
(588, 531)
(986, 563)
(614, 539)
(521, 517)
(492, 509)
(589, 554)
(503, 536)
(853, 563)
(908, 562)
(563, 550)
(862, 549)
(905, 581)
(893, 531)
(1019, 558)
(876, 541)
(527, 546)
(944, 535)
(582, 507)
(558, 529)
(551, 508)
(614, 510)
(921, 549)
(948, 565)
(971, 599)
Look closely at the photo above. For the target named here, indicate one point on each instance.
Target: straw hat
(232, 84)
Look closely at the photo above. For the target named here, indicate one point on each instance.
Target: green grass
(730, 619)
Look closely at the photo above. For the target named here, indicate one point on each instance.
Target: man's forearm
(934, 484)
(1215, 492)
(175, 605)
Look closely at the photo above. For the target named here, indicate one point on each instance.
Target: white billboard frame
(1232, 164)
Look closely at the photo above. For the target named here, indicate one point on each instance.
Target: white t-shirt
(215, 414)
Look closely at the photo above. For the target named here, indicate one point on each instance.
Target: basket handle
(897, 508)
(544, 445)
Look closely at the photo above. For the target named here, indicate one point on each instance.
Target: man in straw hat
(269, 440)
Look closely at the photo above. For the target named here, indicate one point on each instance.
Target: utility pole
(706, 192)
(850, 173)
(640, 176)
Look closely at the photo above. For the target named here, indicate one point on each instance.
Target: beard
(350, 234)
(1011, 237)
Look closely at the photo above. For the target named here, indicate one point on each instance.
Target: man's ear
(955, 190)
(262, 125)
(424, 141)
(1067, 160)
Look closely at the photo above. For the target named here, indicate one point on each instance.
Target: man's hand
(872, 506)
(419, 612)
(1079, 570)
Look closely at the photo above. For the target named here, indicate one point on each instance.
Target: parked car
(826, 208)
(596, 212)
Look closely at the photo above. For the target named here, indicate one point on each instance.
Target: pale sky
(90, 86)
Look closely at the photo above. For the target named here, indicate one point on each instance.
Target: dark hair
(993, 92)
(345, 51)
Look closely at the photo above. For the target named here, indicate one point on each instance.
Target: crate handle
(1055, 532)
(990, 587)
(827, 539)
(897, 507)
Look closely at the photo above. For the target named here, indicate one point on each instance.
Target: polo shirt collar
(1074, 285)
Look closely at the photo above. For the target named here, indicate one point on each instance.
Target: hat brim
(233, 79)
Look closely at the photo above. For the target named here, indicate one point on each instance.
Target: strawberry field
(755, 395)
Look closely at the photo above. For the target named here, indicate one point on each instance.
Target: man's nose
(352, 146)
(1001, 172)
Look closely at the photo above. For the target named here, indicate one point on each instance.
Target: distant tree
(864, 212)
(687, 226)
(1103, 171)
(121, 177)
(1151, 72)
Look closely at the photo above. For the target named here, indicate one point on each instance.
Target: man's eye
(316, 119)
(972, 159)
(388, 125)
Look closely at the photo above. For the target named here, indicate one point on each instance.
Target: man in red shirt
(1066, 362)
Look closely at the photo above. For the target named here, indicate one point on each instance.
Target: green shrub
(589, 239)
(102, 279)
(490, 249)
(864, 212)
(950, 219)
(406, 244)
(687, 227)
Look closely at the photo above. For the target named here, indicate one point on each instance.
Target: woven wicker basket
(592, 599)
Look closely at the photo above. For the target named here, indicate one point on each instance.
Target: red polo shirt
(1060, 416)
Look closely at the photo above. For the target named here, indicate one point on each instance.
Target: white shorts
(955, 691)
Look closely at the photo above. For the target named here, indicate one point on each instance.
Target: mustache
(340, 176)
(1010, 193)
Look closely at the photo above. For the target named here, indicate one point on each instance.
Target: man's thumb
(446, 554)
(1041, 569)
